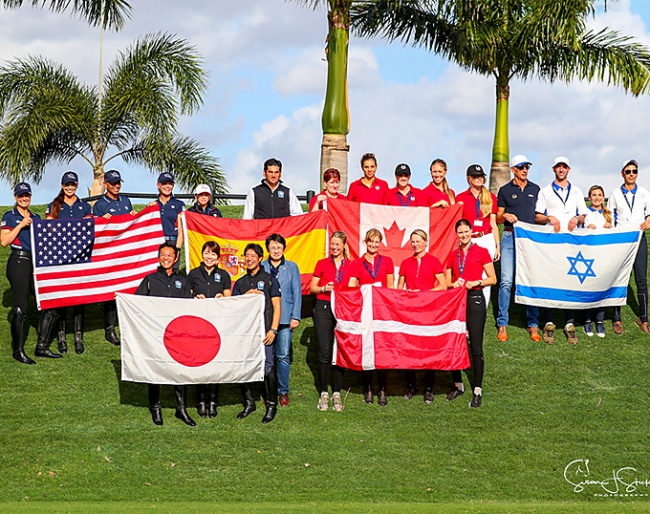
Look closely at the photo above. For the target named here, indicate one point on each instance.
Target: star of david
(588, 267)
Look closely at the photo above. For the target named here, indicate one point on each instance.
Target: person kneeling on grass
(166, 283)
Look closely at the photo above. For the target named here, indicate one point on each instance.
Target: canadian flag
(189, 341)
(396, 225)
(381, 328)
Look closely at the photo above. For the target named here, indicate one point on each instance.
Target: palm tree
(48, 116)
(336, 111)
(510, 39)
(106, 13)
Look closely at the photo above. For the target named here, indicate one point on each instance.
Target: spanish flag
(305, 235)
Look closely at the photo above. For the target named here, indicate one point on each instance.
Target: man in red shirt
(369, 188)
(403, 194)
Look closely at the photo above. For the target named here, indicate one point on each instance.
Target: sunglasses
(631, 172)
(523, 167)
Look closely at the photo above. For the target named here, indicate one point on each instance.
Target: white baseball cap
(561, 160)
(519, 160)
(202, 188)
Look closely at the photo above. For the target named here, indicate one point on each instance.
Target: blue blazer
(291, 299)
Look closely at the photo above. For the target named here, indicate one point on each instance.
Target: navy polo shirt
(169, 214)
(77, 210)
(106, 205)
(10, 220)
(518, 202)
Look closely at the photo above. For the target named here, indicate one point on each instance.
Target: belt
(477, 234)
(21, 253)
(508, 229)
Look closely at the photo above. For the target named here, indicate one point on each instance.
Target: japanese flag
(189, 341)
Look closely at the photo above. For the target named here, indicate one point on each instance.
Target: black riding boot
(45, 325)
(200, 400)
(249, 401)
(78, 312)
(213, 396)
(18, 337)
(271, 385)
(62, 344)
(154, 404)
(110, 320)
(181, 407)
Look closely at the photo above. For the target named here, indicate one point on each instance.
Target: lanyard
(568, 193)
(461, 266)
(369, 270)
(339, 270)
(633, 192)
(409, 196)
(478, 208)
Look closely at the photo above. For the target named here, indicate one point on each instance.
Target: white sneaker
(337, 404)
(324, 401)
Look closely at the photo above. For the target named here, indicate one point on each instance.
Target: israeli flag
(582, 269)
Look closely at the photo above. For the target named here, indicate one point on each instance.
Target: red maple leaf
(394, 236)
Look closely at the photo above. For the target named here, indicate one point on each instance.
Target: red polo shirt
(313, 200)
(431, 194)
(421, 275)
(363, 271)
(477, 257)
(412, 199)
(359, 192)
(472, 211)
(326, 272)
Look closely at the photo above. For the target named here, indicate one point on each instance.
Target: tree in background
(336, 111)
(106, 13)
(507, 39)
(48, 116)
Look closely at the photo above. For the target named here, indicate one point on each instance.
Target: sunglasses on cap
(631, 172)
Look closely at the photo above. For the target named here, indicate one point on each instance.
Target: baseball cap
(112, 177)
(70, 177)
(203, 188)
(629, 161)
(22, 188)
(402, 169)
(561, 160)
(519, 160)
(165, 177)
(475, 170)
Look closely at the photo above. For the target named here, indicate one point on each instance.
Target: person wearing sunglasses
(563, 206)
(630, 204)
(516, 202)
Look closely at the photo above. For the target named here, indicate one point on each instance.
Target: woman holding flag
(209, 281)
(466, 267)
(377, 270)
(330, 273)
(421, 271)
(332, 182)
(66, 205)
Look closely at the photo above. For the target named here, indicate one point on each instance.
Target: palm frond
(112, 14)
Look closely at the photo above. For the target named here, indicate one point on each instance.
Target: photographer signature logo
(623, 482)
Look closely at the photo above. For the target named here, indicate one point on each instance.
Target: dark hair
(57, 203)
(368, 157)
(213, 246)
(168, 244)
(255, 247)
(272, 162)
(462, 222)
(331, 173)
(277, 238)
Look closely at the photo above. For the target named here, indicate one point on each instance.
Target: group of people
(469, 266)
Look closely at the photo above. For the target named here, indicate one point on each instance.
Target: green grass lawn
(74, 438)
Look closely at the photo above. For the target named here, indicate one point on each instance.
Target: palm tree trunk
(500, 170)
(336, 120)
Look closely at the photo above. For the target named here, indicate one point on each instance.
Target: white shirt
(562, 204)
(595, 218)
(631, 207)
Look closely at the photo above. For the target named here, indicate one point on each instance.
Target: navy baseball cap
(165, 177)
(112, 177)
(22, 188)
(70, 177)
(402, 169)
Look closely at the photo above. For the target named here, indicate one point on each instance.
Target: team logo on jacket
(260, 285)
(217, 278)
(178, 284)
(280, 194)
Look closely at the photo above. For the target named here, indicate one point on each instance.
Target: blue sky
(267, 79)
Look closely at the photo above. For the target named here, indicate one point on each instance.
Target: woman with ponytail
(438, 193)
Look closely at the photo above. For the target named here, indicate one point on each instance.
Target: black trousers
(324, 323)
(20, 274)
(476, 315)
(641, 278)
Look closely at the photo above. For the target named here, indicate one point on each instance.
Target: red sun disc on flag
(192, 341)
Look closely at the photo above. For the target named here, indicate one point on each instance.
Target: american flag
(79, 261)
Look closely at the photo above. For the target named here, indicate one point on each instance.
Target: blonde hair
(485, 199)
(607, 214)
(421, 233)
(373, 232)
(445, 185)
(339, 234)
